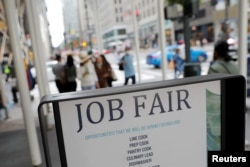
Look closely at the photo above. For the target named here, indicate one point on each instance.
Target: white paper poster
(150, 128)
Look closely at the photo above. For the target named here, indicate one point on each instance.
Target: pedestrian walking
(70, 74)
(128, 67)
(222, 61)
(7, 72)
(86, 73)
(6, 63)
(112, 76)
(31, 81)
(178, 63)
(58, 70)
(103, 72)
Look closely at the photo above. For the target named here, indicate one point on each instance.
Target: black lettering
(181, 99)
(78, 108)
(137, 105)
(170, 107)
(154, 105)
(101, 113)
(118, 108)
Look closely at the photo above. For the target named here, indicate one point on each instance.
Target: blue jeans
(127, 78)
(91, 87)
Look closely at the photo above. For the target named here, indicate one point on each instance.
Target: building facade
(86, 10)
(147, 22)
(70, 17)
(71, 22)
(112, 23)
(116, 23)
(226, 19)
(201, 25)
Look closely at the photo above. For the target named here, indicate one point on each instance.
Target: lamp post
(226, 9)
(88, 26)
(134, 17)
(162, 37)
(226, 21)
(190, 8)
(98, 28)
(243, 7)
(80, 17)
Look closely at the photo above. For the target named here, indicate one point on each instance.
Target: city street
(33, 31)
(13, 128)
(149, 73)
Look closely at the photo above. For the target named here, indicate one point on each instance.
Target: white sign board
(170, 123)
(152, 128)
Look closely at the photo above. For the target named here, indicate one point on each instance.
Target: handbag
(31, 80)
(63, 78)
(120, 67)
(113, 75)
(171, 64)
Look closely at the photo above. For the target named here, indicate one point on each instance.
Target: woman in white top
(87, 74)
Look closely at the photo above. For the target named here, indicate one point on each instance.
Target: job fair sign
(155, 127)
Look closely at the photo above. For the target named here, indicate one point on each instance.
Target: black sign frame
(233, 103)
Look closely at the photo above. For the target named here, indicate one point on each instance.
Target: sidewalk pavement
(14, 148)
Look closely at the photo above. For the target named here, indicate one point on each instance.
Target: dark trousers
(110, 80)
(127, 78)
(71, 86)
(60, 87)
(14, 94)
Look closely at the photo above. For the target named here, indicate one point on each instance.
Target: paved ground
(14, 149)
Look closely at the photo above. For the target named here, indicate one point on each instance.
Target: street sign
(167, 123)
